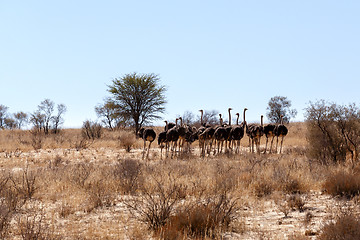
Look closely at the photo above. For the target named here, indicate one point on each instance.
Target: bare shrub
(5, 217)
(81, 143)
(128, 172)
(346, 226)
(32, 226)
(263, 187)
(154, 206)
(296, 202)
(333, 130)
(79, 173)
(202, 219)
(91, 130)
(25, 183)
(343, 183)
(99, 194)
(37, 139)
(127, 140)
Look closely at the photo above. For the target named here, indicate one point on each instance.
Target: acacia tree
(280, 106)
(139, 97)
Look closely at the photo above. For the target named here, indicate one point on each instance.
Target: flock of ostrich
(178, 137)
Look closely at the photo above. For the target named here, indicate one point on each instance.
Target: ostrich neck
(229, 118)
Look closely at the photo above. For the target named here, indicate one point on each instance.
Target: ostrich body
(172, 137)
(280, 131)
(205, 135)
(220, 135)
(269, 131)
(148, 135)
(162, 139)
(182, 134)
(254, 132)
(237, 132)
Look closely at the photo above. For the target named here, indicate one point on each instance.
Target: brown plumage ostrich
(237, 132)
(254, 132)
(148, 135)
(280, 131)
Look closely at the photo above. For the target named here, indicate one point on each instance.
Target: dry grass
(68, 189)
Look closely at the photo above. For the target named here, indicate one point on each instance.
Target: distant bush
(346, 226)
(127, 140)
(203, 219)
(91, 130)
(128, 174)
(343, 183)
(333, 131)
(155, 205)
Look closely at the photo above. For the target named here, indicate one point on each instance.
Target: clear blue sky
(210, 54)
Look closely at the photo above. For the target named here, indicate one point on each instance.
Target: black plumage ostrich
(220, 135)
(148, 135)
(237, 132)
(269, 131)
(172, 137)
(280, 131)
(255, 132)
(162, 139)
(205, 135)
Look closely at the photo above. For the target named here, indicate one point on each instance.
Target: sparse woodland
(93, 183)
(121, 179)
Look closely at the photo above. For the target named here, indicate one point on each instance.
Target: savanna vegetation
(93, 183)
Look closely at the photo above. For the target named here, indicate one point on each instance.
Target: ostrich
(147, 134)
(162, 139)
(280, 131)
(183, 130)
(172, 136)
(269, 133)
(228, 130)
(254, 132)
(237, 132)
(205, 135)
(220, 135)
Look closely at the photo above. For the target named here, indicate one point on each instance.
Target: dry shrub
(155, 205)
(202, 219)
(5, 218)
(91, 130)
(25, 183)
(127, 140)
(263, 187)
(37, 139)
(100, 194)
(346, 226)
(342, 183)
(128, 172)
(296, 202)
(32, 226)
(79, 173)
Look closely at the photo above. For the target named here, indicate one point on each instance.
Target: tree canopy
(280, 106)
(139, 97)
